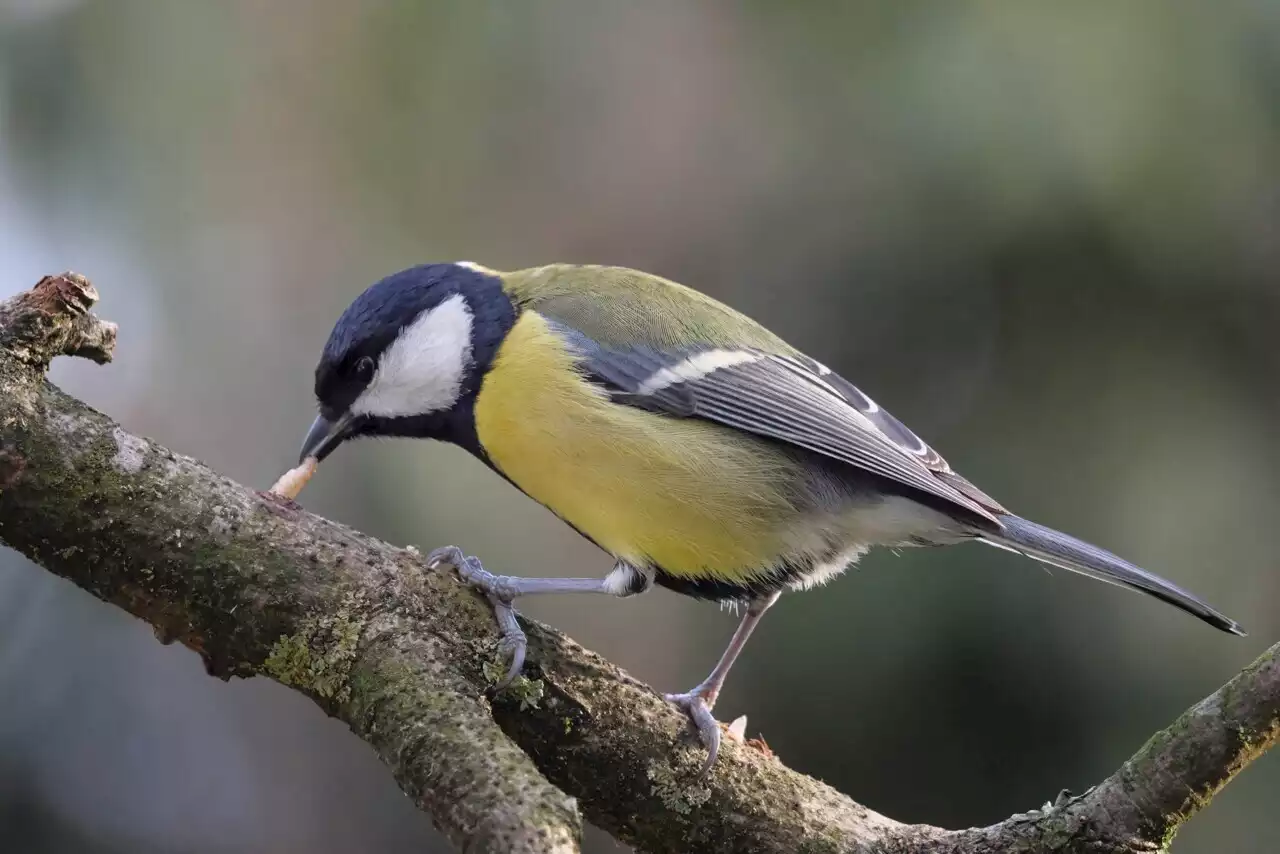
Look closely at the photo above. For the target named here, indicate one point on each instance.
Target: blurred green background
(1044, 235)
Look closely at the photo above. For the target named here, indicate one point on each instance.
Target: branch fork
(256, 585)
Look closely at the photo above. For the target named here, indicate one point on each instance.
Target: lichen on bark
(319, 655)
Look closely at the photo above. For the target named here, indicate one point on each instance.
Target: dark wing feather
(788, 398)
(901, 435)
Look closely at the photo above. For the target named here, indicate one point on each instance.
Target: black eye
(363, 370)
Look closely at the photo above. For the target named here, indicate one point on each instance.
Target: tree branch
(258, 586)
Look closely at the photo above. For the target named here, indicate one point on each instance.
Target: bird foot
(498, 589)
(696, 705)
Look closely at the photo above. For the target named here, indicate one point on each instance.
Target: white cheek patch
(422, 370)
(695, 367)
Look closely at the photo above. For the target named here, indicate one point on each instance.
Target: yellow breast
(690, 497)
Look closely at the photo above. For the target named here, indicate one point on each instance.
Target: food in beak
(292, 481)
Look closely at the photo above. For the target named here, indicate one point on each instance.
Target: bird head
(404, 359)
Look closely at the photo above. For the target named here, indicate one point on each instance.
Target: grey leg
(699, 702)
(501, 590)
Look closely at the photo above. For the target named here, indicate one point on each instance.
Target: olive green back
(619, 307)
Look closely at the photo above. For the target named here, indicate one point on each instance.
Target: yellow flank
(694, 498)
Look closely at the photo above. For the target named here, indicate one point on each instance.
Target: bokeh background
(1045, 235)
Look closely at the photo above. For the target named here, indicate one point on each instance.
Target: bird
(698, 449)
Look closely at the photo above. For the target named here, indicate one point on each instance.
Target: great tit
(698, 449)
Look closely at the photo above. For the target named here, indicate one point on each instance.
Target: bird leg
(699, 702)
(502, 590)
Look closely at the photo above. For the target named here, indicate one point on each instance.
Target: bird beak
(325, 436)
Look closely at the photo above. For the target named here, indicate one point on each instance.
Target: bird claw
(454, 558)
(513, 644)
(698, 709)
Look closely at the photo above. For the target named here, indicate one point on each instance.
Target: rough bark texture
(259, 586)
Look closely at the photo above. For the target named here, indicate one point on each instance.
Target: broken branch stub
(53, 319)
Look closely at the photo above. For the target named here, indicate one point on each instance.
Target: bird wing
(785, 396)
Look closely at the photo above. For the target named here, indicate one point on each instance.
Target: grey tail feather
(1066, 552)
